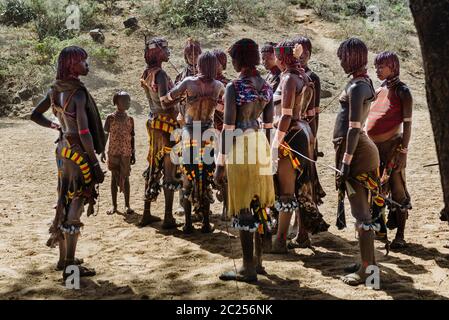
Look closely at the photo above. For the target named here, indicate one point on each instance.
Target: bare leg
(206, 228)
(188, 227)
(361, 211)
(73, 219)
(62, 256)
(224, 213)
(127, 192)
(180, 209)
(302, 239)
(147, 217)
(247, 273)
(295, 228)
(169, 220)
(114, 191)
(286, 178)
(62, 253)
(258, 246)
(399, 195)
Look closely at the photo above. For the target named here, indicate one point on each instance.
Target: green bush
(50, 17)
(109, 5)
(47, 51)
(188, 13)
(90, 15)
(335, 10)
(16, 12)
(174, 14)
(387, 35)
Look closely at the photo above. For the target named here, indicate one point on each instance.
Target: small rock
(114, 33)
(16, 100)
(325, 94)
(25, 94)
(131, 23)
(300, 20)
(97, 35)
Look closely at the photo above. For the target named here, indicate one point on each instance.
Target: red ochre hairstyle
(153, 51)
(284, 52)
(221, 57)
(192, 46)
(389, 58)
(353, 53)
(245, 52)
(69, 57)
(207, 65)
(305, 42)
(268, 47)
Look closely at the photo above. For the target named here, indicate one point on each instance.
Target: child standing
(119, 128)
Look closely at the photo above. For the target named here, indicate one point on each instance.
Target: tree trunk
(432, 23)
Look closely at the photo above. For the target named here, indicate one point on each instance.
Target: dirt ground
(135, 263)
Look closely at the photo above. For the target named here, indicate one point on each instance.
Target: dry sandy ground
(135, 263)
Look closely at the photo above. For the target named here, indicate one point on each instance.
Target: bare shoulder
(80, 96)
(360, 88)
(218, 84)
(403, 91)
(314, 77)
(161, 75)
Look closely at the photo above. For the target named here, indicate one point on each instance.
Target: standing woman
(222, 60)
(356, 154)
(389, 125)
(248, 161)
(161, 123)
(197, 165)
(81, 136)
(294, 188)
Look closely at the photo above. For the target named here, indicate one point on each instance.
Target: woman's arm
(267, 118)
(227, 134)
(107, 127)
(407, 106)
(37, 115)
(358, 93)
(162, 81)
(85, 136)
(287, 104)
(176, 92)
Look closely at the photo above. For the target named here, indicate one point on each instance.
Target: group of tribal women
(262, 162)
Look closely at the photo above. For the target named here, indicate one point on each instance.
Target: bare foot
(207, 228)
(352, 268)
(260, 270)
(242, 275)
(83, 272)
(147, 220)
(398, 244)
(279, 246)
(112, 211)
(179, 211)
(128, 210)
(188, 229)
(353, 279)
(303, 243)
(60, 264)
(169, 224)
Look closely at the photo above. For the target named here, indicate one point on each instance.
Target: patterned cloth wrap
(304, 199)
(159, 128)
(260, 221)
(370, 181)
(198, 172)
